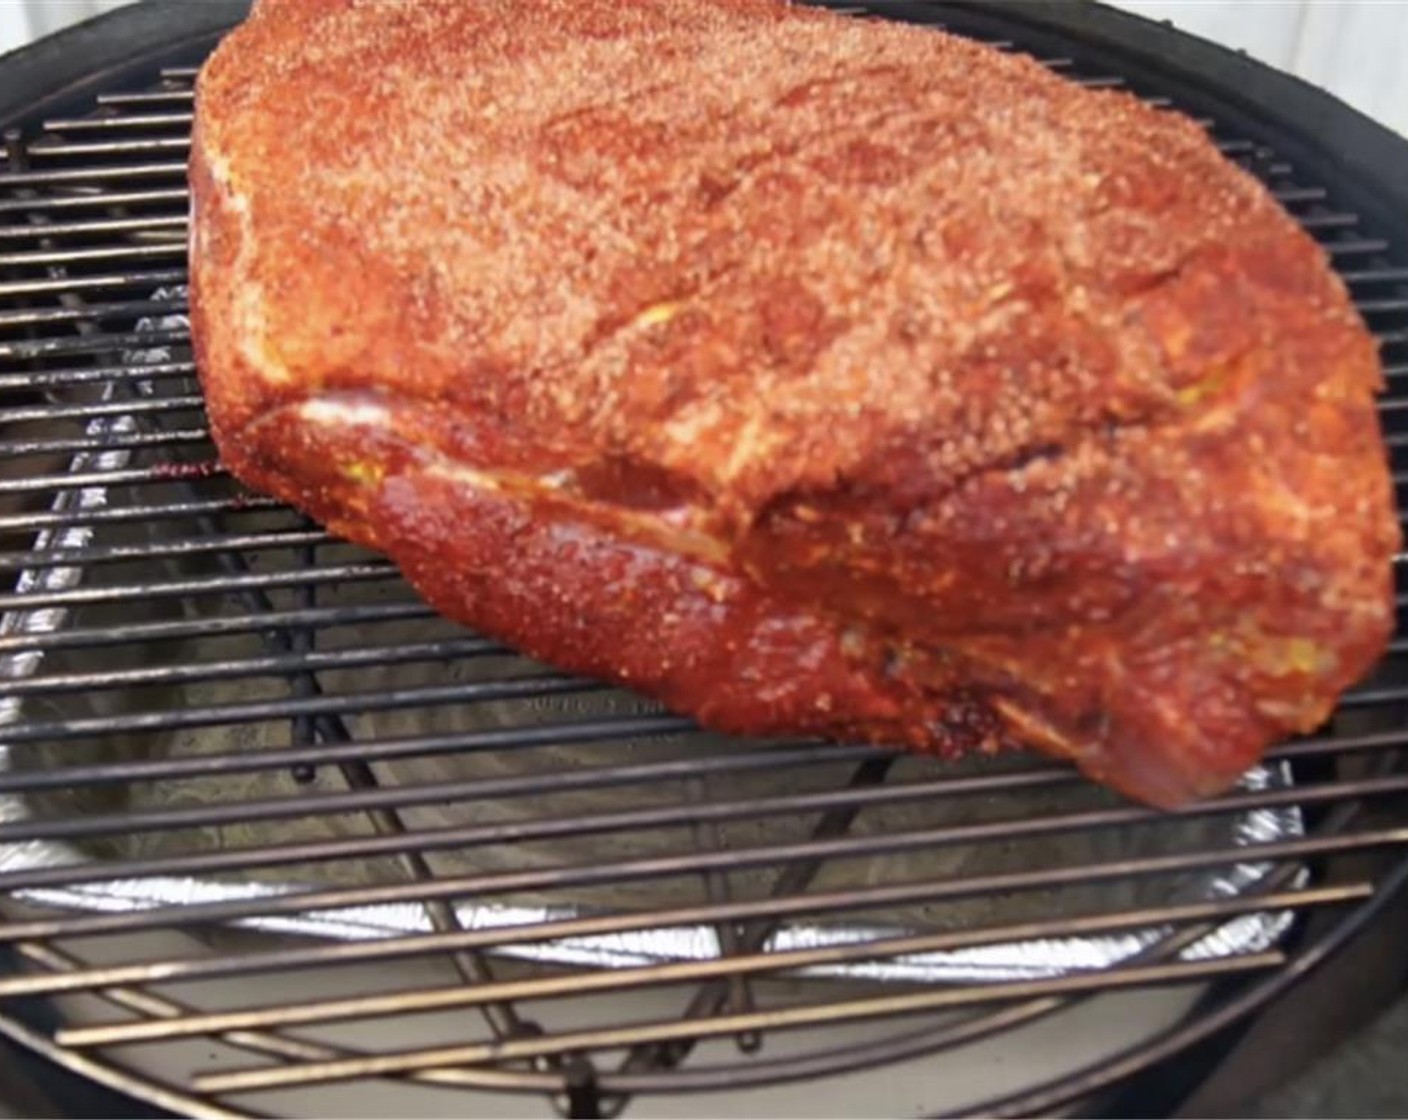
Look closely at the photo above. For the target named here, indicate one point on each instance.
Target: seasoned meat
(812, 375)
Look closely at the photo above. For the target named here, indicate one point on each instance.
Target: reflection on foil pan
(1008, 961)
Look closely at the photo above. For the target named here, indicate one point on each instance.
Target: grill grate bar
(380, 700)
(148, 146)
(99, 408)
(641, 870)
(194, 546)
(312, 617)
(208, 585)
(1379, 306)
(1375, 276)
(76, 284)
(32, 257)
(92, 343)
(146, 97)
(120, 172)
(128, 442)
(1390, 742)
(238, 504)
(1355, 246)
(64, 378)
(1328, 221)
(97, 312)
(93, 199)
(269, 665)
(115, 123)
(141, 224)
(79, 480)
(522, 738)
(424, 1000)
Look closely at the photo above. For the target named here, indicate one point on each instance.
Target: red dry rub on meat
(180, 472)
(812, 375)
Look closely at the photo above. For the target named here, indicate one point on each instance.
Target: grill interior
(234, 747)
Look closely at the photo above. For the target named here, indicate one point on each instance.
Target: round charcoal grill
(274, 839)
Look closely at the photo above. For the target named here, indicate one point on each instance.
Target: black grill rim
(70, 68)
(1362, 162)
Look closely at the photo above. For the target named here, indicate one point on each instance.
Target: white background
(1357, 49)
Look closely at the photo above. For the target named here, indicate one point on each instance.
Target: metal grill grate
(236, 748)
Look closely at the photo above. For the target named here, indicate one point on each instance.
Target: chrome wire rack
(263, 813)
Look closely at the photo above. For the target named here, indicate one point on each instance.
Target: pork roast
(811, 375)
